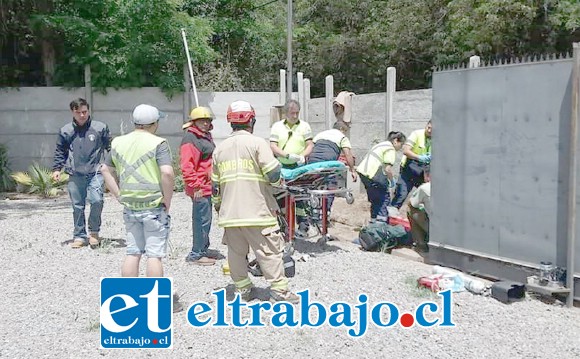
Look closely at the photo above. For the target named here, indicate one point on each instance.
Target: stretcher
(313, 185)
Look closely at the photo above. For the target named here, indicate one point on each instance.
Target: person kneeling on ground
(419, 212)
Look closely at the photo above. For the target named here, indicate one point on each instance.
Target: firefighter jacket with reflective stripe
(420, 144)
(373, 163)
(139, 176)
(195, 157)
(241, 185)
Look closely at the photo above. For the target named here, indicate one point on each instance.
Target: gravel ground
(50, 301)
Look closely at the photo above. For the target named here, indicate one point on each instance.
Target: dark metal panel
(533, 118)
(499, 157)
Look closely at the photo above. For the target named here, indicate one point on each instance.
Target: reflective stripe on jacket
(373, 162)
(242, 186)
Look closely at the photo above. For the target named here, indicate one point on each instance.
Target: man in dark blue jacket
(79, 151)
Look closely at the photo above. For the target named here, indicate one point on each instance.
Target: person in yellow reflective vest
(291, 138)
(416, 155)
(376, 174)
(144, 186)
(291, 142)
(244, 169)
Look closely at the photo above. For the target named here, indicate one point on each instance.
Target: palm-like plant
(39, 180)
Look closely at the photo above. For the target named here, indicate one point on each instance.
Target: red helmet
(240, 112)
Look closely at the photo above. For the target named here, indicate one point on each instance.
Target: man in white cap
(143, 164)
(244, 168)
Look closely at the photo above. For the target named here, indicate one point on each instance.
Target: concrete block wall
(31, 117)
(412, 110)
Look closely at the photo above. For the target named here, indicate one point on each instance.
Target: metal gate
(501, 167)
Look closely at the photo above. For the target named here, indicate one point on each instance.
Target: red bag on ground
(393, 221)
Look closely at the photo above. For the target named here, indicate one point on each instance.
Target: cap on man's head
(146, 115)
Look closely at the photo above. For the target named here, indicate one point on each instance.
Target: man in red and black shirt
(196, 166)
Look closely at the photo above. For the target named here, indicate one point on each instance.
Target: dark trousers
(379, 196)
(419, 226)
(410, 177)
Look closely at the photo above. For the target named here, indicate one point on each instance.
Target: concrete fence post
(306, 99)
(89, 87)
(282, 97)
(300, 77)
(329, 90)
(390, 98)
(474, 61)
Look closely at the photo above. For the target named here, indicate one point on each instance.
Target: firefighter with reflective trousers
(244, 168)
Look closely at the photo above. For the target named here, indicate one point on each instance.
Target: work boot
(78, 243)
(284, 296)
(245, 293)
(177, 306)
(201, 261)
(94, 240)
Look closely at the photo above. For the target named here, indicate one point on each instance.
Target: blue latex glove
(392, 182)
(426, 158)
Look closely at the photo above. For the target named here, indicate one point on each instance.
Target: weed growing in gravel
(93, 325)
(25, 247)
(419, 292)
(106, 246)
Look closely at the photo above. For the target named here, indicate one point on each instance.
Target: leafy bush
(6, 182)
(38, 180)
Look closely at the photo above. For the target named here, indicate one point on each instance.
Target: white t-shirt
(421, 198)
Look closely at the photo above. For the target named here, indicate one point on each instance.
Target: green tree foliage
(249, 39)
(241, 44)
(130, 43)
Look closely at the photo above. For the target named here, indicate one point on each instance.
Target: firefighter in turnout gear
(244, 168)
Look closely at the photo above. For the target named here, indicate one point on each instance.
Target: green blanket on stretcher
(290, 174)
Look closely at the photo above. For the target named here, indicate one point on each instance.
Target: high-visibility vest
(290, 138)
(376, 158)
(421, 144)
(139, 176)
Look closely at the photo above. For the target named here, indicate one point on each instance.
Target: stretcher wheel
(349, 198)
